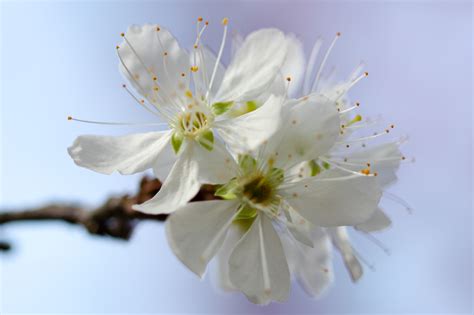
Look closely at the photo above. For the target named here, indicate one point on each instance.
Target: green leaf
(227, 191)
(221, 107)
(206, 139)
(315, 168)
(176, 141)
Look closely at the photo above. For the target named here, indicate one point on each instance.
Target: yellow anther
(207, 22)
(69, 117)
(225, 21)
(195, 46)
(200, 19)
(194, 68)
(365, 171)
(188, 93)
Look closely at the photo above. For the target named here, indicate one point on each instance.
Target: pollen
(225, 21)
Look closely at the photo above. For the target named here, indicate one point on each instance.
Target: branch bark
(115, 218)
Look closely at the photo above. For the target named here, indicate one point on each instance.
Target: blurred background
(59, 59)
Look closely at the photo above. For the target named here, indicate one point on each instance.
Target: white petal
(386, 169)
(220, 276)
(162, 166)
(258, 267)
(206, 60)
(294, 64)
(300, 228)
(196, 231)
(377, 222)
(254, 67)
(310, 129)
(216, 166)
(337, 201)
(340, 239)
(248, 131)
(312, 266)
(144, 58)
(126, 154)
(179, 187)
(237, 41)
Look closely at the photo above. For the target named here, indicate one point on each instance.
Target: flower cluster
(277, 137)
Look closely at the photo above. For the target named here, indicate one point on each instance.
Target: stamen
(336, 165)
(114, 123)
(141, 102)
(363, 259)
(376, 241)
(398, 200)
(311, 63)
(321, 67)
(349, 109)
(225, 22)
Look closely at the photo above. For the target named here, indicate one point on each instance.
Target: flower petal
(153, 59)
(254, 66)
(179, 187)
(258, 267)
(300, 228)
(377, 222)
(126, 154)
(310, 129)
(386, 169)
(341, 240)
(311, 266)
(294, 64)
(216, 166)
(196, 231)
(248, 131)
(334, 201)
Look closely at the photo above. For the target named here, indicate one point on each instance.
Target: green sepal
(220, 108)
(251, 106)
(176, 141)
(226, 191)
(206, 139)
(245, 213)
(247, 163)
(276, 176)
(315, 168)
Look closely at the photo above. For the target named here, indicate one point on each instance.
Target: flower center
(192, 123)
(258, 189)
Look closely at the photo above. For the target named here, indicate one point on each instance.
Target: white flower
(262, 193)
(350, 154)
(190, 153)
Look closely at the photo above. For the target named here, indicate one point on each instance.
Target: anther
(165, 53)
(69, 117)
(403, 158)
(195, 46)
(347, 146)
(357, 104)
(117, 47)
(225, 21)
(142, 101)
(375, 174)
(368, 164)
(392, 126)
(200, 19)
(158, 28)
(183, 74)
(295, 195)
(338, 34)
(366, 74)
(194, 68)
(387, 131)
(122, 34)
(124, 86)
(155, 78)
(207, 22)
(288, 79)
(365, 171)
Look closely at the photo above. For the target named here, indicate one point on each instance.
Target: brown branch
(114, 218)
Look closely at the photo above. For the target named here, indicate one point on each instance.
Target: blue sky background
(58, 58)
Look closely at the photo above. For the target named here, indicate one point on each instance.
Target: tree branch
(115, 218)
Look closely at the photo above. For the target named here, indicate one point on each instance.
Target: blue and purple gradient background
(58, 58)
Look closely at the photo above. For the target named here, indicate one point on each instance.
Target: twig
(114, 218)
